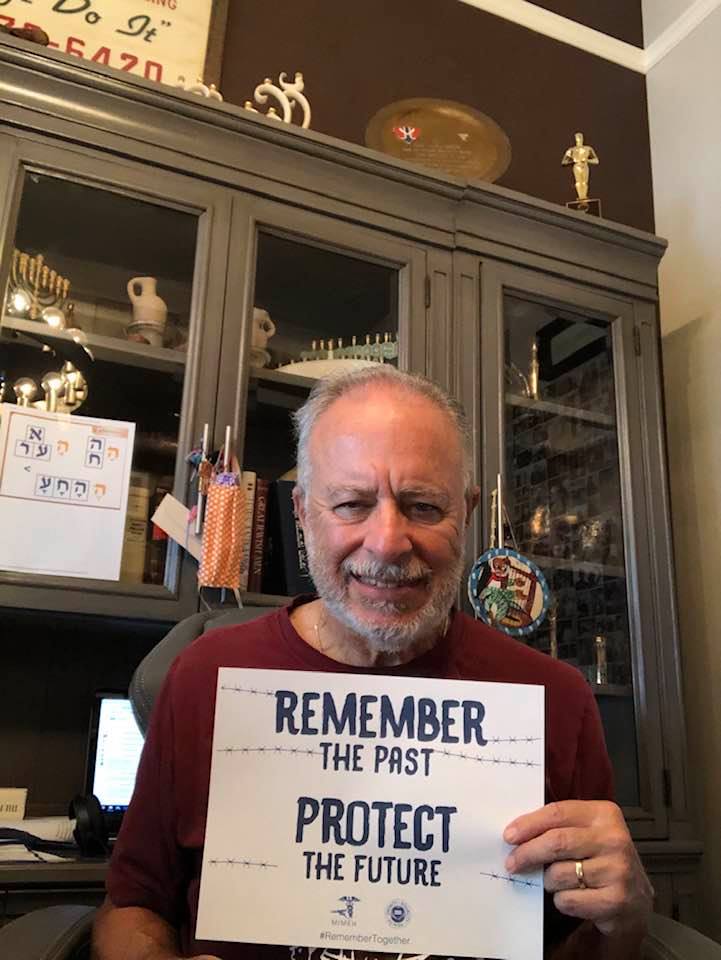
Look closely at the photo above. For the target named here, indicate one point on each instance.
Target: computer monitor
(114, 747)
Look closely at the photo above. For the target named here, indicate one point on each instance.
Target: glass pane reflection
(94, 268)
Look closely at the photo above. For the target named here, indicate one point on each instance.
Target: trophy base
(592, 207)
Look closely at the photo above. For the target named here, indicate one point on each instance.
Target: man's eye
(427, 511)
(350, 507)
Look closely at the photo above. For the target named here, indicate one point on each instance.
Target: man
(384, 496)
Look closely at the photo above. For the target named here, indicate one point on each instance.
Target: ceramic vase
(149, 310)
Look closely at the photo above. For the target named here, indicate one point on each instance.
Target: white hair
(328, 390)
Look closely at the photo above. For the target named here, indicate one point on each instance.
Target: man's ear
(299, 504)
(473, 496)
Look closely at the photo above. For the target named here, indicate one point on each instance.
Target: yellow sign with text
(160, 40)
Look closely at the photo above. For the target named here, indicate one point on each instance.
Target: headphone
(91, 831)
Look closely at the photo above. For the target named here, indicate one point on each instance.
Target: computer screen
(114, 749)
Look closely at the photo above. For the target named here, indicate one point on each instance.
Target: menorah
(334, 349)
(37, 292)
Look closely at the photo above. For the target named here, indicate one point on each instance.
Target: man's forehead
(369, 482)
(382, 404)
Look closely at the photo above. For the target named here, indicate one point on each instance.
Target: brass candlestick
(601, 661)
(553, 629)
(533, 372)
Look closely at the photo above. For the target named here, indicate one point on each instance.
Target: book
(257, 546)
(132, 564)
(248, 483)
(287, 567)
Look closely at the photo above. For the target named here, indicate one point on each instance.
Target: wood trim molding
(678, 31)
(599, 44)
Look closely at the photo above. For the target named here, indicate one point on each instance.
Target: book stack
(274, 558)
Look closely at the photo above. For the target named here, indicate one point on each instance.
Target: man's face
(385, 514)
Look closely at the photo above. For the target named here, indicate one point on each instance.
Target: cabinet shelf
(278, 389)
(581, 566)
(106, 348)
(612, 689)
(273, 377)
(561, 410)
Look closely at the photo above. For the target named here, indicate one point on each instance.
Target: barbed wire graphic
(460, 755)
(251, 690)
(303, 752)
(516, 880)
(236, 862)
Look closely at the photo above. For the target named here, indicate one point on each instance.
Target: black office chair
(63, 932)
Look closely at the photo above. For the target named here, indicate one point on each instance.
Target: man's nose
(387, 533)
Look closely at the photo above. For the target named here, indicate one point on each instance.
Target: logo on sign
(346, 912)
(398, 913)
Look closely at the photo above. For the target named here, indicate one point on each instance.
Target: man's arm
(134, 933)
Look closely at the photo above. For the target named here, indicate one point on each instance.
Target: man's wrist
(587, 942)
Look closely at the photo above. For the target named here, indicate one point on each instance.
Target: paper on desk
(173, 518)
(44, 828)
(18, 853)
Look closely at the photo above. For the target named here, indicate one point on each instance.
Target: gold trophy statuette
(582, 155)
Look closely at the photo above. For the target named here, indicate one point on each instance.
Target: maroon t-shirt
(157, 858)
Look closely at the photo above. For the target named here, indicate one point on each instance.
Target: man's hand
(617, 896)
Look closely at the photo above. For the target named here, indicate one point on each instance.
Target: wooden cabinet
(232, 211)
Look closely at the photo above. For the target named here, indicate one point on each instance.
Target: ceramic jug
(263, 328)
(149, 310)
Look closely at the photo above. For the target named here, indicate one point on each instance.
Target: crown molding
(678, 31)
(553, 25)
(560, 28)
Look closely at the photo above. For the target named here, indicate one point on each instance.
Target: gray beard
(332, 588)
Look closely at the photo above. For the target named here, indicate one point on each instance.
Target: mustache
(392, 573)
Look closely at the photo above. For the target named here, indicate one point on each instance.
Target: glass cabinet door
(570, 457)
(99, 326)
(321, 298)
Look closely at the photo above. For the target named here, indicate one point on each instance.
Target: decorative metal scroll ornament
(209, 91)
(287, 95)
(507, 590)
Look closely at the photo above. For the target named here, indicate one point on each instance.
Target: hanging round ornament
(508, 591)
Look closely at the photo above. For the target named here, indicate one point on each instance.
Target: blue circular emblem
(508, 591)
(398, 913)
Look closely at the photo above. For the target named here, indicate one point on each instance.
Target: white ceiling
(659, 15)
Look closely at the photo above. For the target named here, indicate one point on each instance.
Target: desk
(29, 886)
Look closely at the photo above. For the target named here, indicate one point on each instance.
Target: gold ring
(579, 875)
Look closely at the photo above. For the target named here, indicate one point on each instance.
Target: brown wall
(357, 58)
(618, 18)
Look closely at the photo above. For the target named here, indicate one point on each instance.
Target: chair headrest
(151, 671)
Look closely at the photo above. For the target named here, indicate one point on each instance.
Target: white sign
(157, 39)
(366, 813)
(63, 492)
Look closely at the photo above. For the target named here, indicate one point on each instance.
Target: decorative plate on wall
(441, 134)
(508, 591)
